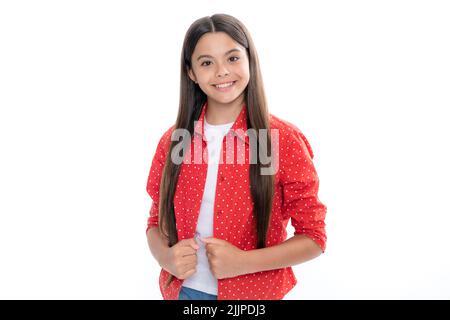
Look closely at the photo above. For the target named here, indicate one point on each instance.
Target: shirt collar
(239, 127)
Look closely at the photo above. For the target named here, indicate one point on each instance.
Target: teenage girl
(217, 224)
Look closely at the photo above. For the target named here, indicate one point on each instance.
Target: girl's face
(218, 59)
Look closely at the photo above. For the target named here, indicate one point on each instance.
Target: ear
(192, 75)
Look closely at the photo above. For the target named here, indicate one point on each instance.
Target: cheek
(201, 75)
(202, 79)
(244, 73)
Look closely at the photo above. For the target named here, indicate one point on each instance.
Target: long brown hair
(192, 99)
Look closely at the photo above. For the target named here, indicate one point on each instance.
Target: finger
(188, 274)
(187, 251)
(193, 244)
(209, 248)
(190, 259)
(210, 255)
(211, 240)
(210, 264)
(189, 243)
(188, 266)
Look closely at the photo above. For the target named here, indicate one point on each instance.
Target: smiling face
(218, 59)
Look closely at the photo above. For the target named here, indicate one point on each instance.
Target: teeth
(224, 85)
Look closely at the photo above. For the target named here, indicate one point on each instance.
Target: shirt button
(219, 211)
(222, 178)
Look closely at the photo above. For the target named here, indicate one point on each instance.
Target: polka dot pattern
(295, 199)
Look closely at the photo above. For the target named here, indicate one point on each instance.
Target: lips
(227, 88)
(224, 83)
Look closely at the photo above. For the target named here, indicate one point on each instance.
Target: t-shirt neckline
(217, 125)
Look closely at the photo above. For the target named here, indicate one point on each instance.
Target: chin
(227, 99)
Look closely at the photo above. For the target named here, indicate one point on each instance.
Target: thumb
(209, 240)
(193, 244)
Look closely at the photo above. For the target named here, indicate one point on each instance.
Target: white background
(88, 87)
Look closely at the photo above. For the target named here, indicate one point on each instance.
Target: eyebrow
(226, 53)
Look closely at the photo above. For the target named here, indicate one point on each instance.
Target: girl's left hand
(225, 259)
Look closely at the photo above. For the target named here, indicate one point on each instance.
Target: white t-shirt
(203, 279)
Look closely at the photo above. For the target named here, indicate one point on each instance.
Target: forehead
(215, 44)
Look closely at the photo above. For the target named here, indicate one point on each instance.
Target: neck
(220, 113)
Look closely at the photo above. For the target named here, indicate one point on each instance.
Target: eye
(207, 61)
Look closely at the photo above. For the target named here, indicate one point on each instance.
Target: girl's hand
(180, 260)
(225, 260)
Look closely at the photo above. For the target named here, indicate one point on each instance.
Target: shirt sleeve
(300, 184)
(154, 178)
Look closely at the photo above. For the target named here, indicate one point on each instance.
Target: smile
(225, 87)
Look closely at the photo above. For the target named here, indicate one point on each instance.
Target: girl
(217, 224)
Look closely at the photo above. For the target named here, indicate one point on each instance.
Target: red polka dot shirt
(295, 199)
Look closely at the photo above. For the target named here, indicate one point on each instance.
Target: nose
(222, 72)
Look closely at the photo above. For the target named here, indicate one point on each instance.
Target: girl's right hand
(181, 259)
